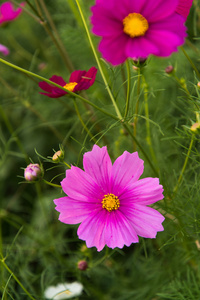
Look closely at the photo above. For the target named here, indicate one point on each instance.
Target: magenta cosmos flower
(135, 29)
(8, 13)
(110, 201)
(78, 81)
(183, 7)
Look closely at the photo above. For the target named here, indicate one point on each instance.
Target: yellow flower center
(135, 25)
(70, 86)
(110, 202)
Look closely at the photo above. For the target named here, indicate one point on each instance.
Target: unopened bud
(195, 127)
(82, 265)
(198, 84)
(58, 156)
(32, 172)
(169, 69)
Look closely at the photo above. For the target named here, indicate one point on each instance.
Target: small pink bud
(58, 156)
(32, 172)
(195, 127)
(82, 265)
(169, 69)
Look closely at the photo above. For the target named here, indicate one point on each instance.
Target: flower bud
(58, 156)
(195, 127)
(198, 84)
(32, 172)
(169, 69)
(82, 265)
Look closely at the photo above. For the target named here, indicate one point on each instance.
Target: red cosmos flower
(8, 13)
(78, 81)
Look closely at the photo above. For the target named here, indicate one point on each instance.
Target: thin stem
(82, 122)
(16, 279)
(11, 130)
(190, 61)
(184, 165)
(62, 48)
(148, 131)
(50, 183)
(128, 89)
(98, 61)
(137, 108)
(86, 101)
(55, 84)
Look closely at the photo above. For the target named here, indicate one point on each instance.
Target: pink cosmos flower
(8, 13)
(78, 81)
(183, 7)
(110, 201)
(4, 50)
(137, 28)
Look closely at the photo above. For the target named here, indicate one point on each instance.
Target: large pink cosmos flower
(110, 201)
(78, 81)
(8, 13)
(4, 50)
(135, 29)
(183, 7)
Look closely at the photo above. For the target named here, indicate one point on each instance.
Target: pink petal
(144, 191)
(8, 13)
(104, 228)
(166, 41)
(113, 48)
(73, 211)
(183, 7)
(141, 47)
(76, 76)
(146, 220)
(125, 171)
(4, 50)
(58, 79)
(98, 165)
(158, 9)
(80, 185)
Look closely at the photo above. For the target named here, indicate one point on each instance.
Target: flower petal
(158, 9)
(144, 191)
(76, 76)
(4, 50)
(113, 48)
(142, 47)
(105, 228)
(98, 165)
(86, 80)
(183, 7)
(73, 211)
(79, 185)
(125, 171)
(145, 220)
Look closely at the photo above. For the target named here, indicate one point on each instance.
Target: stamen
(110, 202)
(135, 25)
(70, 86)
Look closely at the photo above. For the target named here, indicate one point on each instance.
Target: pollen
(70, 86)
(135, 25)
(110, 202)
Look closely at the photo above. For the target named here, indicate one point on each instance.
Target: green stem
(10, 129)
(128, 89)
(184, 166)
(50, 183)
(137, 108)
(55, 84)
(59, 44)
(148, 131)
(190, 61)
(98, 61)
(82, 122)
(16, 279)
